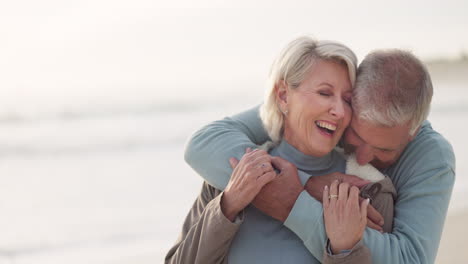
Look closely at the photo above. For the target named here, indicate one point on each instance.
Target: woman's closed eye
(326, 94)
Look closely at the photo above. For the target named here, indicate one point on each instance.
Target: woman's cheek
(348, 114)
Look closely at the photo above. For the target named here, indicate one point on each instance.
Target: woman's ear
(282, 92)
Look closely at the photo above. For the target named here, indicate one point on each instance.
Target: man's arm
(420, 212)
(209, 149)
(420, 208)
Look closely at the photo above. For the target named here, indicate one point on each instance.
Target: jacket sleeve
(209, 149)
(206, 234)
(359, 254)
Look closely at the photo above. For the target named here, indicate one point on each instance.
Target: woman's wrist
(228, 207)
(338, 248)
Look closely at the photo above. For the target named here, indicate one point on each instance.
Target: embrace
(338, 165)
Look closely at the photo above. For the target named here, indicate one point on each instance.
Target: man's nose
(364, 154)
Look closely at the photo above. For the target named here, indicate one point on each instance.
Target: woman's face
(319, 109)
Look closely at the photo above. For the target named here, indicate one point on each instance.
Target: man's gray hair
(393, 87)
(292, 66)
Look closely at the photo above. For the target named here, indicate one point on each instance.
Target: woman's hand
(345, 220)
(252, 172)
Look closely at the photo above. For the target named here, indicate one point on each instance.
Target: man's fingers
(374, 215)
(374, 225)
(353, 180)
(266, 178)
(280, 163)
(360, 183)
(233, 162)
(325, 198)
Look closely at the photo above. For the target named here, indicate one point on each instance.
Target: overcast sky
(69, 48)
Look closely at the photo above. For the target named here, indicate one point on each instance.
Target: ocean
(105, 181)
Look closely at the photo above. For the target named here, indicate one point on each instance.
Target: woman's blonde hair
(291, 66)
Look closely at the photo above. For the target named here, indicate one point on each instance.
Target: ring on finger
(333, 196)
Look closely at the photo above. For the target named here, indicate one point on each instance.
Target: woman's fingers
(263, 163)
(333, 192)
(353, 199)
(233, 162)
(364, 205)
(343, 189)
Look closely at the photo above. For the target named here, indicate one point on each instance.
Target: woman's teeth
(324, 125)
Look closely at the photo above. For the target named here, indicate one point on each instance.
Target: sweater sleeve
(209, 149)
(420, 211)
(206, 234)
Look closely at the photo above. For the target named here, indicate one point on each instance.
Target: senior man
(391, 101)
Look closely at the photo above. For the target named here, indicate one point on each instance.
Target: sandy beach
(454, 244)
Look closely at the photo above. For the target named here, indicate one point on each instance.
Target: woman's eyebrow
(326, 84)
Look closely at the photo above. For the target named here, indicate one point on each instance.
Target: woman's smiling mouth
(326, 128)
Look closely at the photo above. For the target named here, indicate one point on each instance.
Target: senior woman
(306, 111)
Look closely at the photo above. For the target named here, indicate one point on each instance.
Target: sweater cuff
(358, 254)
(304, 216)
(303, 177)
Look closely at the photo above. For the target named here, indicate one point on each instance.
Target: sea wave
(72, 114)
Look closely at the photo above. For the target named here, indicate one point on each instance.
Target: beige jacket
(207, 234)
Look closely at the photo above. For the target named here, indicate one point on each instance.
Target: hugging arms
(423, 177)
(305, 113)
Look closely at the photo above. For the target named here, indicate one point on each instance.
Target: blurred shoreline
(88, 183)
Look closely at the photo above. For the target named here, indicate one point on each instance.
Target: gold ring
(333, 196)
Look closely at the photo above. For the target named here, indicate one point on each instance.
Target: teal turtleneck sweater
(262, 239)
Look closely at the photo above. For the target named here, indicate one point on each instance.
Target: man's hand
(277, 198)
(315, 185)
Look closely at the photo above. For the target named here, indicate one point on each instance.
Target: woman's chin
(319, 152)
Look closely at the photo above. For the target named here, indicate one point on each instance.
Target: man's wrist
(313, 188)
(294, 195)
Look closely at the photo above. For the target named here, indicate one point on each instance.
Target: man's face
(377, 145)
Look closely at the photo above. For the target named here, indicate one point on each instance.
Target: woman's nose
(338, 109)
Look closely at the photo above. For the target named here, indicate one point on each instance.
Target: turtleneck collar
(302, 161)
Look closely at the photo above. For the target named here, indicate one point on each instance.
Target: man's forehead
(378, 136)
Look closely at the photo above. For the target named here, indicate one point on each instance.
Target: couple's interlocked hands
(249, 176)
(254, 180)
